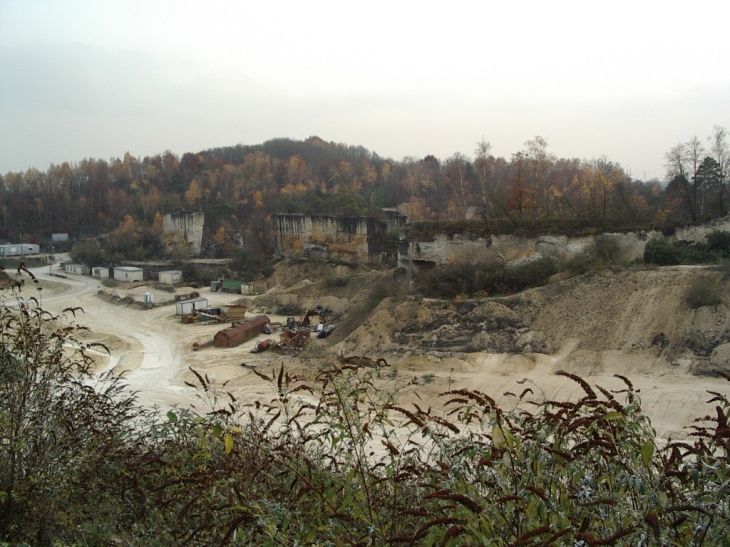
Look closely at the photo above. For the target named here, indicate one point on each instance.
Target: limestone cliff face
(367, 240)
(700, 232)
(360, 239)
(506, 248)
(184, 230)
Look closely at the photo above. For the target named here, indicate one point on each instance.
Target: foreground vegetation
(337, 461)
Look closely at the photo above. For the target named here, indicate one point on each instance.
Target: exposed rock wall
(365, 239)
(184, 230)
(361, 239)
(506, 248)
(700, 232)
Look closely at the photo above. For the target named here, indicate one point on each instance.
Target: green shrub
(454, 279)
(719, 241)
(62, 434)
(694, 252)
(703, 292)
(606, 249)
(87, 252)
(190, 272)
(266, 267)
(661, 252)
(581, 263)
(248, 267)
(428, 378)
(603, 251)
(336, 282)
(531, 273)
(460, 278)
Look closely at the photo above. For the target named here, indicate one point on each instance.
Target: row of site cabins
(19, 249)
(25, 249)
(131, 274)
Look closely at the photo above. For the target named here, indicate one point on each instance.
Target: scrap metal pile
(233, 313)
(296, 334)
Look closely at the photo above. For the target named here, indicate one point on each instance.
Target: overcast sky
(624, 79)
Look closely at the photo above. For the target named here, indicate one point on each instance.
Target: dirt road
(150, 346)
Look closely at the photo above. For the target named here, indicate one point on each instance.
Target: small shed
(170, 277)
(77, 269)
(186, 307)
(100, 272)
(240, 333)
(128, 273)
(57, 238)
(231, 285)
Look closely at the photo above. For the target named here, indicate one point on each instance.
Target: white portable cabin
(100, 272)
(128, 274)
(56, 238)
(170, 277)
(77, 269)
(19, 249)
(186, 307)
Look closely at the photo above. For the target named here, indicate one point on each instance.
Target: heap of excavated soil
(640, 315)
(632, 312)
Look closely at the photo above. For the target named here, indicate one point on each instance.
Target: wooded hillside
(238, 187)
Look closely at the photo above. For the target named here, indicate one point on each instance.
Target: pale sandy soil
(155, 350)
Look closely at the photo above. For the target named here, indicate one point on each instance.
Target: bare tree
(682, 162)
(675, 162)
(695, 156)
(720, 152)
(456, 174)
(539, 166)
(484, 164)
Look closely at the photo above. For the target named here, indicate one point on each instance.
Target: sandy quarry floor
(155, 350)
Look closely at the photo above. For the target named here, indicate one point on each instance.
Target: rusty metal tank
(240, 333)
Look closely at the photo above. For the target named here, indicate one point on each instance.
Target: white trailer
(77, 269)
(100, 272)
(19, 249)
(170, 277)
(129, 274)
(186, 307)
